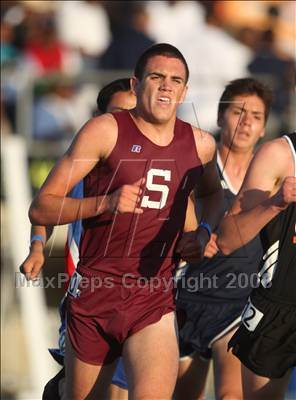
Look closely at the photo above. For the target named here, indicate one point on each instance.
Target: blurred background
(55, 57)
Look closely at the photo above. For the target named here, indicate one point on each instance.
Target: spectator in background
(130, 37)
(32, 32)
(84, 26)
(235, 15)
(54, 113)
(43, 49)
(61, 107)
(9, 56)
(279, 69)
(173, 21)
(9, 52)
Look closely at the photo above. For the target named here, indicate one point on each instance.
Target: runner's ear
(134, 83)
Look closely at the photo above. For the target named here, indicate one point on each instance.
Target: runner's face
(243, 122)
(121, 101)
(161, 89)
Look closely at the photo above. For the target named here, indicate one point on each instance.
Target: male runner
(115, 96)
(266, 340)
(212, 293)
(137, 182)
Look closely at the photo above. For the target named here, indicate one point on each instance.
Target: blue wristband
(206, 226)
(38, 237)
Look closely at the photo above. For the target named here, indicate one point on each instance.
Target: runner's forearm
(55, 210)
(236, 230)
(211, 208)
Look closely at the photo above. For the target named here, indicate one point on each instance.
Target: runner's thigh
(227, 370)
(151, 360)
(83, 380)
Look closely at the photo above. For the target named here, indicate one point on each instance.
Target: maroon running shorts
(102, 313)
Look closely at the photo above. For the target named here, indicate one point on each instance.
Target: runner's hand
(192, 245)
(32, 265)
(211, 248)
(126, 199)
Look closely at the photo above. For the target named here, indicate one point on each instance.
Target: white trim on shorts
(184, 358)
(233, 324)
(191, 355)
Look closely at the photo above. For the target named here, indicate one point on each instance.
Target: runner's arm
(93, 143)
(209, 198)
(261, 197)
(190, 219)
(209, 193)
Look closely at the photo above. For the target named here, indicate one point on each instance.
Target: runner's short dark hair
(160, 49)
(244, 87)
(106, 93)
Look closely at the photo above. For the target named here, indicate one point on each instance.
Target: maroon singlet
(140, 244)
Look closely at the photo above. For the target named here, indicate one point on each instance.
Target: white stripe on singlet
(293, 152)
(224, 175)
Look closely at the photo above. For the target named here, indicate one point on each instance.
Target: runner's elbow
(35, 214)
